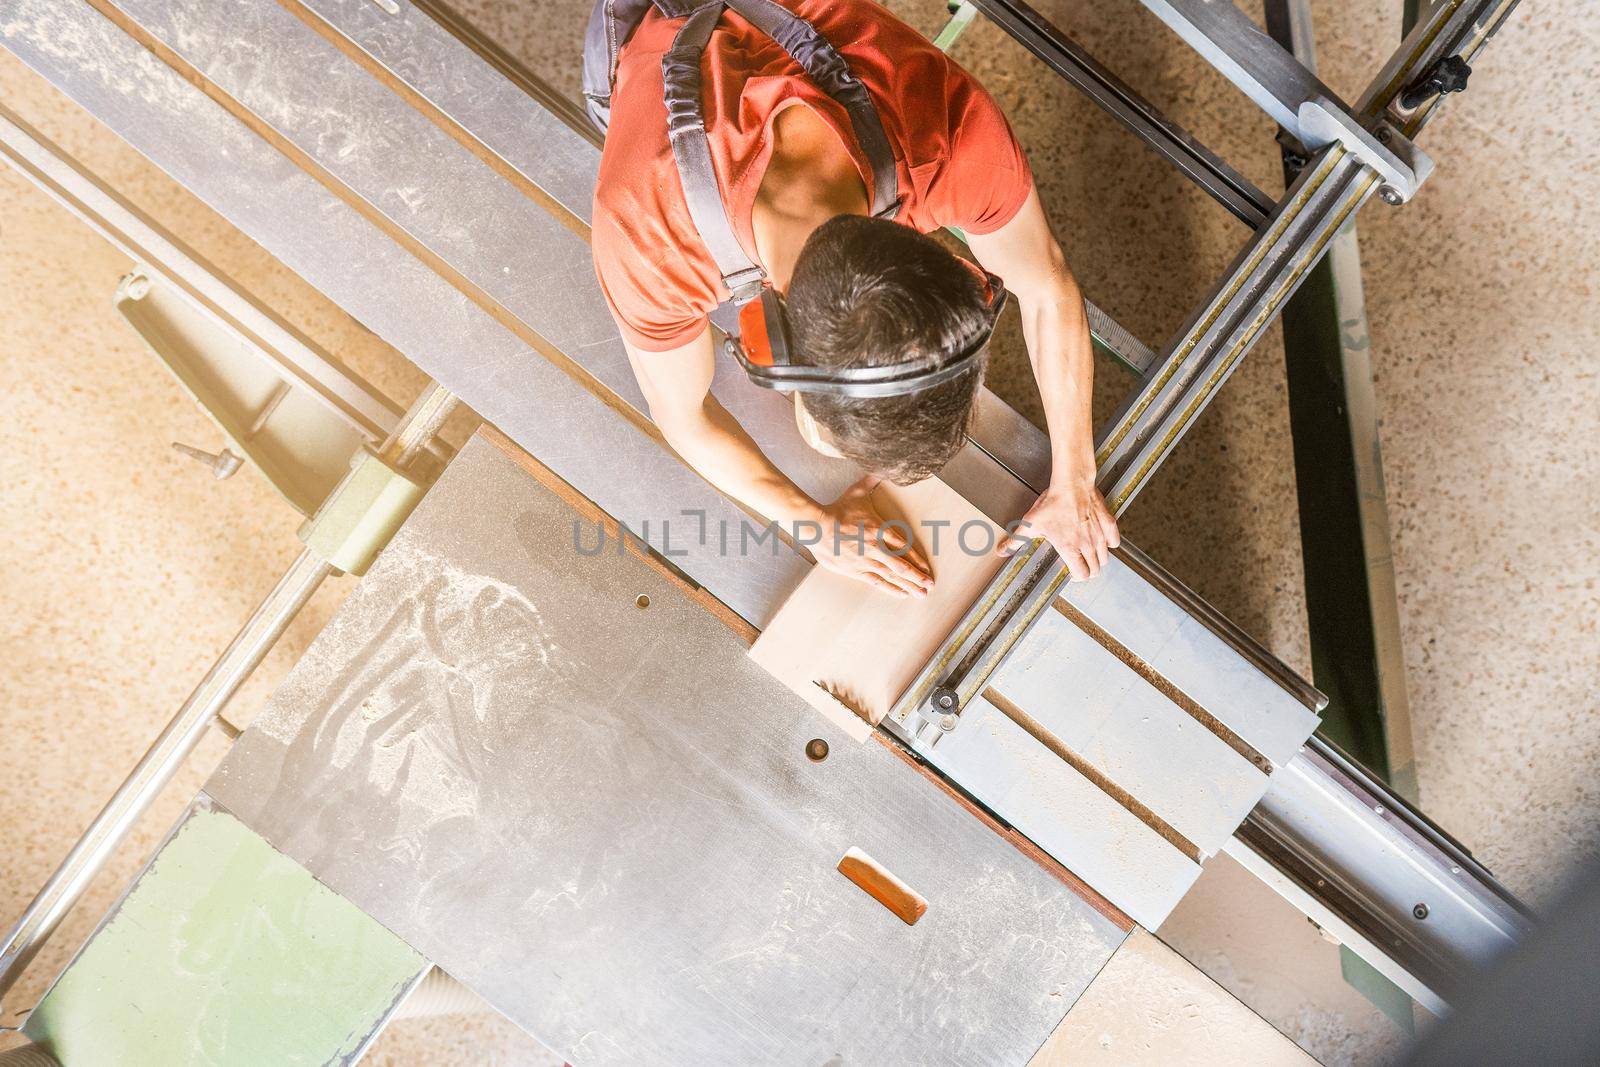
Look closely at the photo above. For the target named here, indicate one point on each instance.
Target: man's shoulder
(634, 162)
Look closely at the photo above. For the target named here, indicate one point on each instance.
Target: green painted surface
(961, 16)
(1382, 993)
(225, 951)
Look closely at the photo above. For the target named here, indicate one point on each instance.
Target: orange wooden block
(878, 883)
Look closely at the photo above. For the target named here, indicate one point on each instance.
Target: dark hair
(868, 292)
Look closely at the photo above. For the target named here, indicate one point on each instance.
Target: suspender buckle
(745, 285)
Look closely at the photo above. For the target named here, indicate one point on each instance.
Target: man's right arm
(677, 388)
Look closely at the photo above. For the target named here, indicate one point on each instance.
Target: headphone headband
(890, 379)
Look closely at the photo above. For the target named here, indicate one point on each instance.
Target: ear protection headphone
(761, 346)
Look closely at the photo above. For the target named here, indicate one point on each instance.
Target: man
(796, 189)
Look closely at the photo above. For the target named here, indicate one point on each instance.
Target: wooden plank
(1106, 713)
(1068, 815)
(837, 641)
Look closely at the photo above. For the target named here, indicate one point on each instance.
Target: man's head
(866, 293)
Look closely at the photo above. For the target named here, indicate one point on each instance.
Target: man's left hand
(1075, 520)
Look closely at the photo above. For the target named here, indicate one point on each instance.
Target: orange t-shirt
(958, 162)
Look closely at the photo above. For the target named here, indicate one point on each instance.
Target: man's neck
(810, 178)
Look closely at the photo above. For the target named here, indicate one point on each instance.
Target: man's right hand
(855, 542)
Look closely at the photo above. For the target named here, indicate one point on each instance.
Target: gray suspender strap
(691, 150)
(686, 129)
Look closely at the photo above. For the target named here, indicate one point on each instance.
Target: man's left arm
(1071, 514)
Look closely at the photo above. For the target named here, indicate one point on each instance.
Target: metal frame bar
(1163, 136)
(1237, 48)
(1197, 362)
(1364, 864)
(164, 256)
(405, 445)
(1297, 839)
(1353, 613)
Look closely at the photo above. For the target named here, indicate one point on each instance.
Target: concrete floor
(129, 569)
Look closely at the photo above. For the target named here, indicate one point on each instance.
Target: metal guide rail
(523, 337)
(1153, 738)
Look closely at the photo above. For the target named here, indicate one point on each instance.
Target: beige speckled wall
(128, 569)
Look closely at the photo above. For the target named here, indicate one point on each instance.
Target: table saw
(558, 775)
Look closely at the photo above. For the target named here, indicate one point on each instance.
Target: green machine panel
(225, 951)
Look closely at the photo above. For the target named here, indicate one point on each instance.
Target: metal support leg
(404, 446)
(158, 765)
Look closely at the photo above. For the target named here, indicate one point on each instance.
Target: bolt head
(1420, 911)
(1391, 196)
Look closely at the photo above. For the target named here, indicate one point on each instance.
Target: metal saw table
(603, 817)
